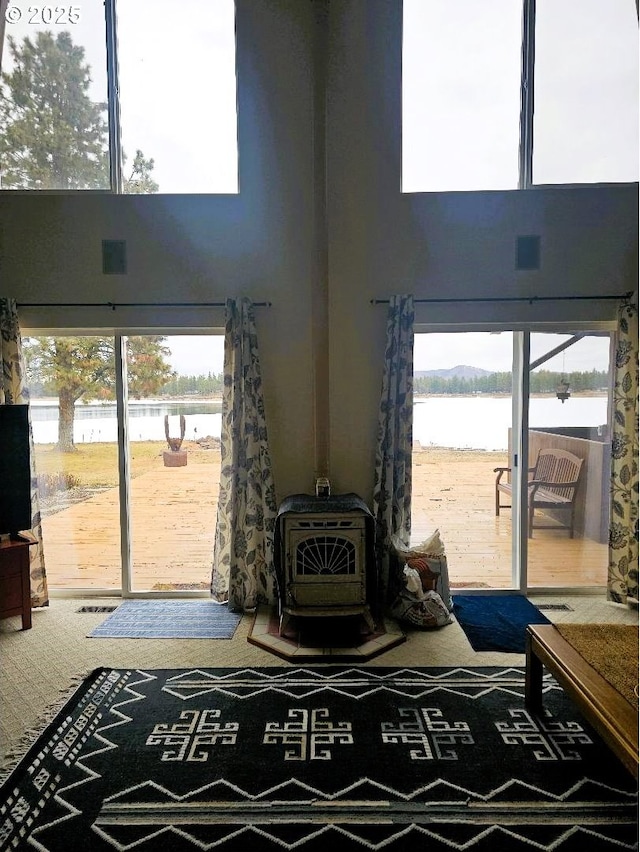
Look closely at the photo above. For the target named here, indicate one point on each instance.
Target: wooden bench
(610, 713)
(553, 485)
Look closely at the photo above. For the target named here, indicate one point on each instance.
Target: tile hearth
(332, 639)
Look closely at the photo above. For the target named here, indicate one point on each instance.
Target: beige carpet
(38, 666)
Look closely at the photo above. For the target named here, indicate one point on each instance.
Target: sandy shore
(445, 455)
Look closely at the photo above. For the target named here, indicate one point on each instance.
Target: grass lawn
(96, 464)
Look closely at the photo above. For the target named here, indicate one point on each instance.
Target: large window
(176, 70)
(134, 96)
(461, 95)
(501, 94)
(586, 92)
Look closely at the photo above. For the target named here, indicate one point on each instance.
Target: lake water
(469, 422)
(482, 422)
(97, 421)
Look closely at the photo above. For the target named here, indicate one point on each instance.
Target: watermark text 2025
(47, 15)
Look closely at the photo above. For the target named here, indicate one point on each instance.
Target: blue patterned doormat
(169, 620)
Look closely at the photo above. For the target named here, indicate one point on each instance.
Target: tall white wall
(269, 241)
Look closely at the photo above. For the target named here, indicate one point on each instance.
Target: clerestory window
(502, 94)
(133, 96)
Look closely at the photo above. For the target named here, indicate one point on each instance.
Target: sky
(494, 352)
(196, 355)
(178, 86)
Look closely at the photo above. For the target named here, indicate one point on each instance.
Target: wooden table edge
(615, 719)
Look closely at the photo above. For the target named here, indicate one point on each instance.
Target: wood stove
(324, 557)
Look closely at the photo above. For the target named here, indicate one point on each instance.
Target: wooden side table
(15, 585)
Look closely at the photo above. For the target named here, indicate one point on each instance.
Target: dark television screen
(15, 469)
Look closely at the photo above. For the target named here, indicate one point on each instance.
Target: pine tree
(52, 135)
(140, 181)
(83, 368)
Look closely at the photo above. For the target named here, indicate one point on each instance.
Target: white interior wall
(266, 242)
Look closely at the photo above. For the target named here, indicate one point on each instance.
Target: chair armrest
(500, 471)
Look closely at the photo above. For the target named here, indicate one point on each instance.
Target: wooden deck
(453, 490)
(173, 515)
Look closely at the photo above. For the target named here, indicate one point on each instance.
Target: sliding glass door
(174, 454)
(76, 454)
(569, 430)
(463, 414)
(124, 508)
(488, 408)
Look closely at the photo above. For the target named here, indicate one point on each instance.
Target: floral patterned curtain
(243, 551)
(622, 584)
(13, 391)
(392, 484)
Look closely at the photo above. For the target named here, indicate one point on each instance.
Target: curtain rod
(530, 299)
(114, 305)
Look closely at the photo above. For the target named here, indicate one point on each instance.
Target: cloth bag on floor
(417, 606)
(430, 561)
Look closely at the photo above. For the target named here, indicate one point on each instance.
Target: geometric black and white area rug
(319, 758)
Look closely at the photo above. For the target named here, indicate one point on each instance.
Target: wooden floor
(173, 515)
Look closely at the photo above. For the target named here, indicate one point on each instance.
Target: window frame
(114, 130)
(527, 105)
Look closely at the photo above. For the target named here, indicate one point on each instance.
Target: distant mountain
(462, 371)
